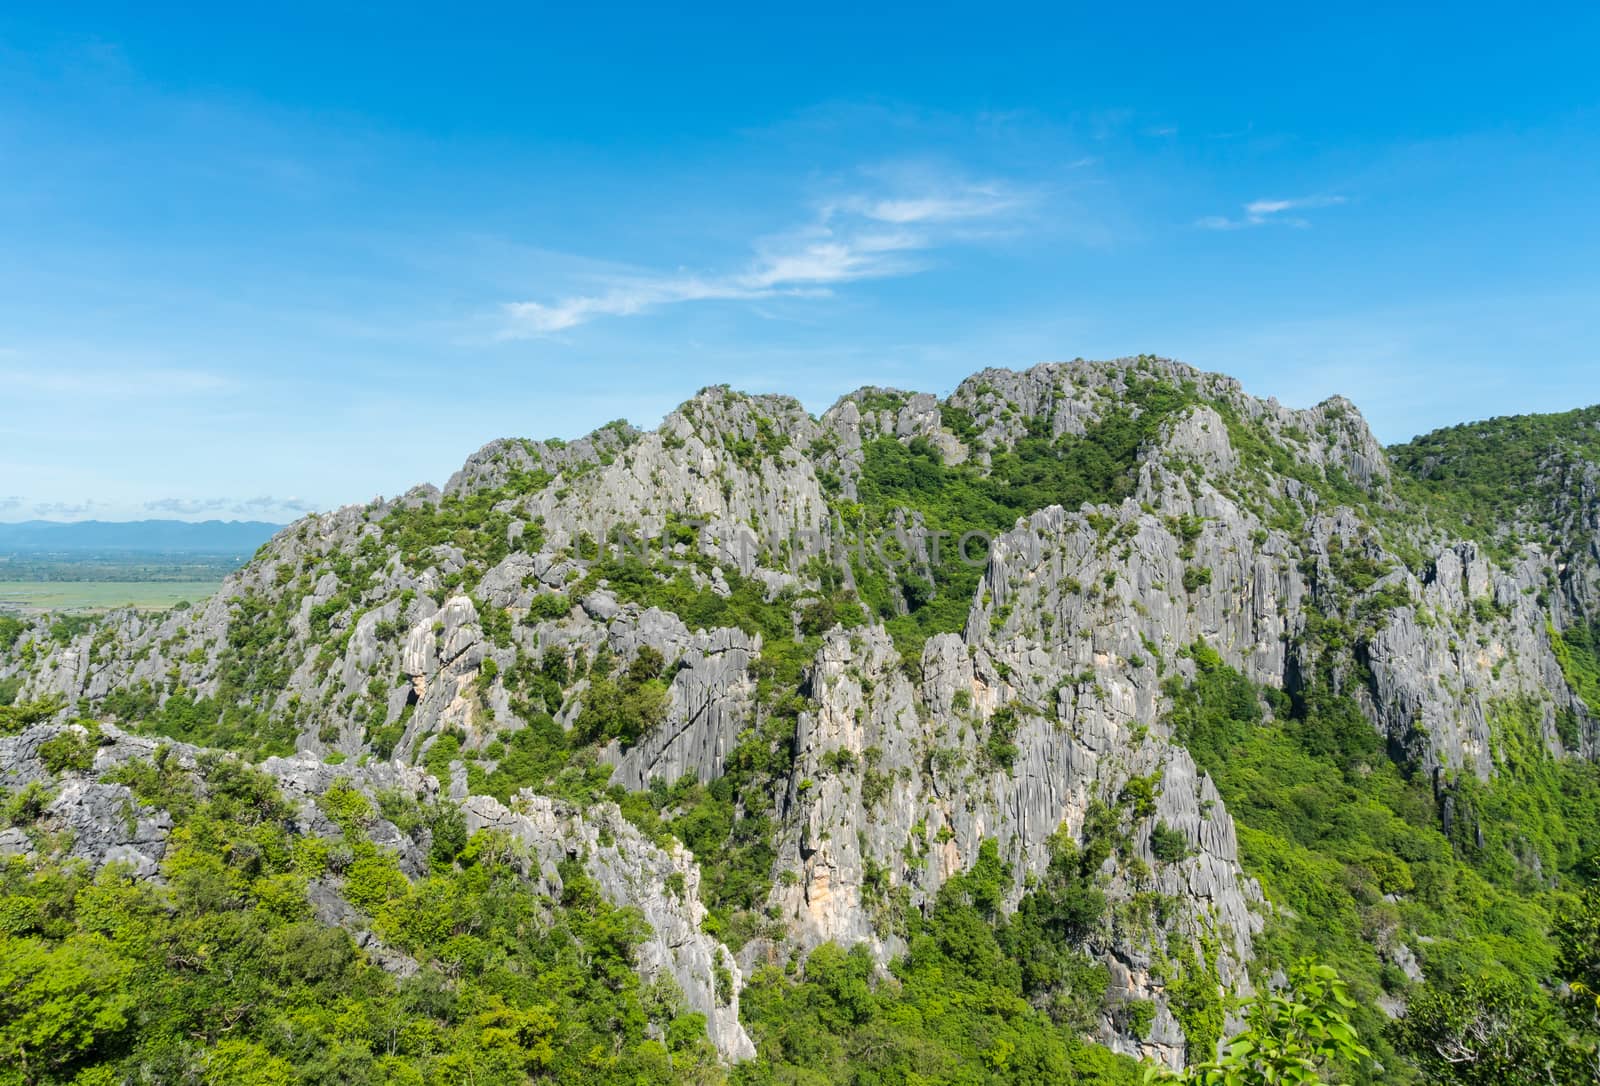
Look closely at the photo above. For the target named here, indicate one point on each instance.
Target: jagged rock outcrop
(631, 871)
(711, 704)
(103, 822)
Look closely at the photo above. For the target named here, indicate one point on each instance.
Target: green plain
(32, 596)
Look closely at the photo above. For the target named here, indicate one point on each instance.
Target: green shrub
(1139, 796)
(1138, 1016)
(549, 606)
(24, 806)
(1300, 1035)
(69, 751)
(999, 745)
(14, 718)
(627, 708)
(1167, 844)
(11, 629)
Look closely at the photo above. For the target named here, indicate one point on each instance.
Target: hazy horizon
(98, 513)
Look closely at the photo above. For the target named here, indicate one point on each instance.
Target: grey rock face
(632, 872)
(920, 794)
(711, 701)
(105, 822)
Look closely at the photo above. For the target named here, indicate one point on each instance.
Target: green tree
(1489, 1032)
(1578, 955)
(58, 1002)
(1301, 1035)
(624, 709)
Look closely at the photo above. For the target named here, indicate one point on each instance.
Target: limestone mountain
(1191, 682)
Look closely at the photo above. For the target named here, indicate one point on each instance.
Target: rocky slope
(785, 605)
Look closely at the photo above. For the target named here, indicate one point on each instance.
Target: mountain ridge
(762, 610)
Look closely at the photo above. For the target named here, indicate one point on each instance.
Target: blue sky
(249, 268)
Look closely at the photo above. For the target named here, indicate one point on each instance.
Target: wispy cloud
(968, 202)
(264, 506)
(1263, 212)
(10, 503)
(293, 505)
(65, 509)
(859, 236)
(186, 507)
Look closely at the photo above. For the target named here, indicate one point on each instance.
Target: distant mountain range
(141, 536)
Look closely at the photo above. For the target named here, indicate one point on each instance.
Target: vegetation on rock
(872, 732)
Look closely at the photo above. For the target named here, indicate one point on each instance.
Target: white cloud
(264, 506)
(972, 202)
(64, 509)
(285, 505)
(185, 506)
(1263, 212)
(623, 300)
(858, 237)
(1264, 208)
(1259, 209)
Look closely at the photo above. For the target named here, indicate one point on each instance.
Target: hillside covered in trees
(1087, 718)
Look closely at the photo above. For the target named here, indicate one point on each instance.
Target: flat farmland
(81, 596)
